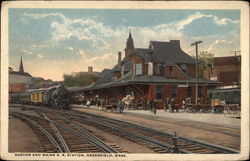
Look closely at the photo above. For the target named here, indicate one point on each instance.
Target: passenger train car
(226, 99)
(56, 96)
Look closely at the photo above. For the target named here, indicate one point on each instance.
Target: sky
(54, 42)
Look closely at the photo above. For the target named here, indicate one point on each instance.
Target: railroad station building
(19, 80)
(160, 72)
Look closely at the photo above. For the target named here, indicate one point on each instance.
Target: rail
(217, 148)
(104, 121)
(45, 132)
(198, 142)
(151, 141)
(58, 134)
(82, 133)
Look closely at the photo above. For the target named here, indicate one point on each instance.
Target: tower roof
(130, 43)
(21, 66)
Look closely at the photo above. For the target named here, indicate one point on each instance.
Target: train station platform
(226, 120)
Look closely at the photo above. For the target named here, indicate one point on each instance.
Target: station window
(170, 70)
(159, 92)
(173, 91)
(159, 69)
(122, 70)
(184, 68)
(199, 91)
(150, 68)
(189, 92)
(138, 69)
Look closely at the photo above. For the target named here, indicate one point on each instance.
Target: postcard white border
(242, 6)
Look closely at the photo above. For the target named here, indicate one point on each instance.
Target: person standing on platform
(183, 104)
(166, 105)
(121, 105)
(154, 105)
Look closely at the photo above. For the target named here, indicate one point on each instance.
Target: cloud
(180, 25)
(24, 51)
(27, 52)
(223, 21)
(81, 52)
(71, 48)
(82, 29)
(99, 37)
(94, 43)
(216, 42)
(189, 50)
(39, 16)
(107, 60)
(39, 55)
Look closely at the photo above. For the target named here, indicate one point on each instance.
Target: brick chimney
(90, 69)
(176, 43)
(119, 57)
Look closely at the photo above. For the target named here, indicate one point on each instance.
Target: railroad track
(160, 142)
(223, 129)
(158, 146)
(185, 145)
(58, 137)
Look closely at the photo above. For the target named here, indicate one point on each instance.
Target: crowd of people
(129, 102)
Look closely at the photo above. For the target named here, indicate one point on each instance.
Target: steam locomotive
(56, 96)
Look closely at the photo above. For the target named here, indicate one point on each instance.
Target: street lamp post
(196, 89)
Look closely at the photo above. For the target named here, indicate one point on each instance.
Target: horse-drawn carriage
(128, 101)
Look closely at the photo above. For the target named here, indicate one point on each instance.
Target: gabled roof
(170, 51)
(144, 53)
(20, 73)
(150, 55)
(103, 72)
(125, 63)
(106, 77)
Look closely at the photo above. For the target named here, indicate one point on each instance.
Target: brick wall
(191, 71)
(14, 88)
(176, 73)
(226, 70)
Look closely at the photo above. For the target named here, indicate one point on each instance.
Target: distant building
(19, 80)
(90, 71)
(226, 70)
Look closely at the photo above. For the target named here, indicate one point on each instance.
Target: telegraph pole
(237, 70)
(196, 89)
(235, 53)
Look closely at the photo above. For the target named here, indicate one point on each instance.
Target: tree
(78, 79)
(205, 61)
(39, 82)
